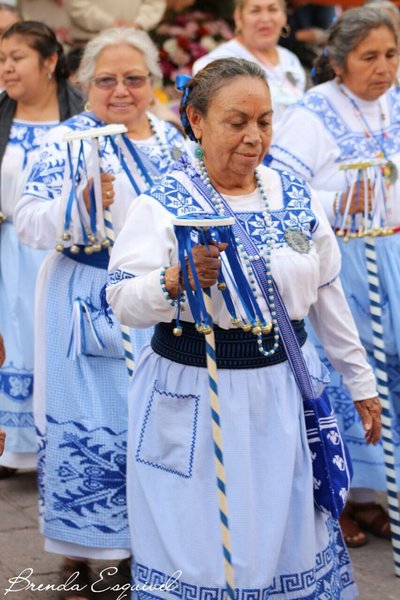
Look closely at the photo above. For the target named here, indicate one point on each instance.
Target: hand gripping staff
(201, 306)
(372, 225)
(97, 226)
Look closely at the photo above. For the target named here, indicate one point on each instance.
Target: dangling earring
(199, 150)
(88, 107)
(285, 31)
(49, 75)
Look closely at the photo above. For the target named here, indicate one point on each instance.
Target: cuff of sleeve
(363, 389)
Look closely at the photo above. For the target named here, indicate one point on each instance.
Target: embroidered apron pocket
(168, 434)
(92, 335)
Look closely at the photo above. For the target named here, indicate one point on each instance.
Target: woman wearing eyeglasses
(81, 398)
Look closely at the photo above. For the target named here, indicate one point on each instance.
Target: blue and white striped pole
(383, 391)
(126, 335)
(218, 450)
(216, 412)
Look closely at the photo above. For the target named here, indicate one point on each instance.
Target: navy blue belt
(99, 260)
(235, 348)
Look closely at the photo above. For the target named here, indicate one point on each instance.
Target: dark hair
(200, 91)
(345, 35)
(73, 59)
(42, 39)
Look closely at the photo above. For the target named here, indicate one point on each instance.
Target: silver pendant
(297, 240)
(391, 172)
(176, 153)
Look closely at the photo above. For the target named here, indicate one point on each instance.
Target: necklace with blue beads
(219, 206)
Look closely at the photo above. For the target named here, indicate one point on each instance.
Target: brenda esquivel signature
(22, 582)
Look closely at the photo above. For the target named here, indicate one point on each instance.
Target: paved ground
(21, 548)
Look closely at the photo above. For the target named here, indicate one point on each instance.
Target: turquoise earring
(199, 151)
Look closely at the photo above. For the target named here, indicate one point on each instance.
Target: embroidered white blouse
(307, 282)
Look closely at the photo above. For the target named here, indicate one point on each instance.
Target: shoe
(372, 517)
(6, 472)
(80, 583)
(353, 535)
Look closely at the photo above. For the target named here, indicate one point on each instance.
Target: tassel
(105, 307)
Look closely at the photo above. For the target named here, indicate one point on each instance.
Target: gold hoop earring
(286, 31)
(88, 107)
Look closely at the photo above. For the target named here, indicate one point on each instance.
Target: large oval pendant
(297, 240)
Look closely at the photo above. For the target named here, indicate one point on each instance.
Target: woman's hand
(370, 413)
(107, 190)
(208, 263)
(361, 195)
(2, 351)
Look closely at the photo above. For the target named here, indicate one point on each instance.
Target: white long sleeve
(334, 325)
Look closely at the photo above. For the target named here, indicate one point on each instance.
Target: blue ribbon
(182, 85)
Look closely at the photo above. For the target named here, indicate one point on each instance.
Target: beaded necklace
(389, 169)
(219, 206)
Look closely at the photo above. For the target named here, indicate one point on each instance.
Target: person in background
(259, 25)
(37, 97)
(81, 403)
(89, 17)
(8, 16)
(389, 7)
(352, 116)
(50, 12)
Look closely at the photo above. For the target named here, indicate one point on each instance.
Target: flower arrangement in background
(184, 39)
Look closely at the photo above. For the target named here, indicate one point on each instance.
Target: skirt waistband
(235, 348)
(98, 260)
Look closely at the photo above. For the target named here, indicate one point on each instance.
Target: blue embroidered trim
(352, 144)
(14, 419)
(328, 579)
(295, 159)
(295, 214)
(118, 276)
(158, 465)
(89, 473)
(15, 386)
(28, 136)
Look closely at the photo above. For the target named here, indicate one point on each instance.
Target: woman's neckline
(35, 123)
(264, 60)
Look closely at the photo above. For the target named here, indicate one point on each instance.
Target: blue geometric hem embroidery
(329, 578)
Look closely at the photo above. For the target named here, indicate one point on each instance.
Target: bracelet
(171, 301)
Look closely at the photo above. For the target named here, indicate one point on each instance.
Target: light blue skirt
(82, 420)
(19, 266)
(368, 461)
(282, 547)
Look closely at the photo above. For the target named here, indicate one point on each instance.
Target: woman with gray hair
(80, 401)
(282, 546)
(343, 138)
